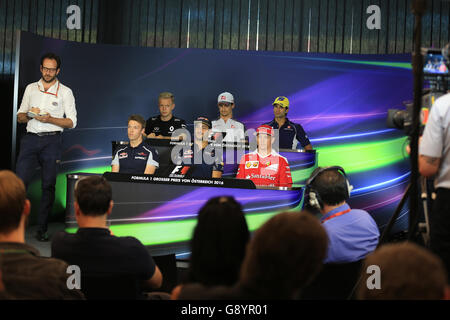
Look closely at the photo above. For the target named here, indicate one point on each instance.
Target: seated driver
(137, 157)
(264, 166)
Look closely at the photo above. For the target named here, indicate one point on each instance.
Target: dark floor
(43, 247)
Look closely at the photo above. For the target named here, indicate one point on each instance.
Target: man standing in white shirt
(235, 130)
(48, 107)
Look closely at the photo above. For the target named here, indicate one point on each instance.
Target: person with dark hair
(137, 157)
(290, 135)
(24, 274)
(48, 107)
(234, 130)
(93, 248)
(406, 272)
(352, 233)
(199, 160)
(283, 256)
(165, 124)
(218, 243)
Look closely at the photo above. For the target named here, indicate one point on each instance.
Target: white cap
(225, 97)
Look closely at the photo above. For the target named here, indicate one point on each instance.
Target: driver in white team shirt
(235, 130)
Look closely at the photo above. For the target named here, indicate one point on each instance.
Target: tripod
(424, 227)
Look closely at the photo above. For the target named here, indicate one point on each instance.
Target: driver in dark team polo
(137, 157)
(290, 134)
(163, 126)
(200, 160)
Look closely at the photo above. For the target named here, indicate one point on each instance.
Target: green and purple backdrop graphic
(340, 100)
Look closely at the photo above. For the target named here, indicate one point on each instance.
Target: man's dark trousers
(43, 151)
(440, 227)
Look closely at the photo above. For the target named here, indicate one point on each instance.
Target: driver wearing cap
(201, 159)
(291, 134)
(235, 130)
(264, 166)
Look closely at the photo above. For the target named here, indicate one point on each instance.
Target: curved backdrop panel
(340, 100)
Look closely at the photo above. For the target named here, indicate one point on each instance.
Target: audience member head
(218, 243)
(327, 186)
(93, 198)
(14, 207)
(407, 272)
(284, 255)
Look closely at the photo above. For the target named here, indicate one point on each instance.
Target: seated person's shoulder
(62, 238)
(131, 245)
(44, 278)
(298, 126)
(365, 214)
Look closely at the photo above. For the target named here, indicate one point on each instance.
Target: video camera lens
(396, 118)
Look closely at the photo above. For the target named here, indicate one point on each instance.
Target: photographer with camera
(434, 160)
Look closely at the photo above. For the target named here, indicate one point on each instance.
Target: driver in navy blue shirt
(291, 135)
(137, 157)
(201, 159)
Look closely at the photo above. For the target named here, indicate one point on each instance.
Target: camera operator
(434, 160)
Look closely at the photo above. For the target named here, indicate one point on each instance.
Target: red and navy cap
(204, 121)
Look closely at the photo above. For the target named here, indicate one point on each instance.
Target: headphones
(312, 197)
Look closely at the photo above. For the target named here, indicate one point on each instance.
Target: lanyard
(337, 214)
(53, 94)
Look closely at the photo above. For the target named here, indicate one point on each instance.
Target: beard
(48, 77)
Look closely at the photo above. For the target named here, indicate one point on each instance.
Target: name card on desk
(142, 178)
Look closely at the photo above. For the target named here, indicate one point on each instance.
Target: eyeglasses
(49, 70)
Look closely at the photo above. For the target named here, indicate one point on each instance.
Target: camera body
(436, 65)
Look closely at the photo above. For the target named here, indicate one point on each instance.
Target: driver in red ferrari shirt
(264, 166)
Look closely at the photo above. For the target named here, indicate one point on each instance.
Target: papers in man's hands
(32, 114)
